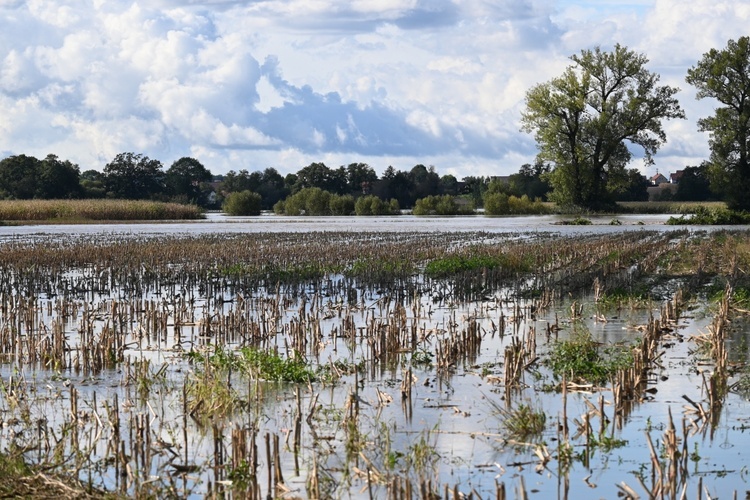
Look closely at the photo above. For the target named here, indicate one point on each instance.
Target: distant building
(675, 177)
(658, 179)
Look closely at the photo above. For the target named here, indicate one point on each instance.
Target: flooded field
(317, 361)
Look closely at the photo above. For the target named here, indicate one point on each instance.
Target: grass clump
(209, 397)
(581, 359)
(272, 367)
(618, 297)
(257, 363)
(455, 264)
(523, 423)
(381, 269)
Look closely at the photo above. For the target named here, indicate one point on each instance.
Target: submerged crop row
(414, 365)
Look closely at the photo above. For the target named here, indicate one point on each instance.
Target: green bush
(308, 201)
(341, 205)
(372, 205)
(499, 203)
(440, 205)
(242, 203)
(496, 204)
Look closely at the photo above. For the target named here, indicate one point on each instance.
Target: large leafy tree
(320, 176)
(58, 179)
(425, 182)
(18, 177)
(187, 180)
(395, 184)
(725, 76)
(134, 176)
(92, 184)
(239, 181)
(584, 120)
(271, 188)
(695, 184)
(360, 178)
(633, 187)
(531, 180)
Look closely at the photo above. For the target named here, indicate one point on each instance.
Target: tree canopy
(186, 180)
(133, 176)
(725, 76)
(583, 119)
(26, 177)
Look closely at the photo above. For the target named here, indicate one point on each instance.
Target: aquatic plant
(523, 423)
(582, 359)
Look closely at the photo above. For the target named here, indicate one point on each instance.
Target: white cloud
(61, 16)
(456, 65)
(384, 81)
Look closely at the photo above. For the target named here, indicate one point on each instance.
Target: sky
(252, 84)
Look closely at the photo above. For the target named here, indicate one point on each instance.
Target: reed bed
(95, 210)
(293, 364)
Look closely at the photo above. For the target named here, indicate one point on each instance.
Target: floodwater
(456, 419)
(220, 223)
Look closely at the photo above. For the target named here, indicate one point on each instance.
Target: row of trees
(355, 179)
(127, 176)
(135, 176)
(584, 120)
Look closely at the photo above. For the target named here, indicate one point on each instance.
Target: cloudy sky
(250, 84)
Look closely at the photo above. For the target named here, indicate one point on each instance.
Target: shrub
(498, 203)
(308, 201)
(372, 205)
(440, 205)
(242, 203)
(341, 205)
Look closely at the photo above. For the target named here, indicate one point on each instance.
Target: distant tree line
(355, 188)
(128, 176)
(187, 180)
